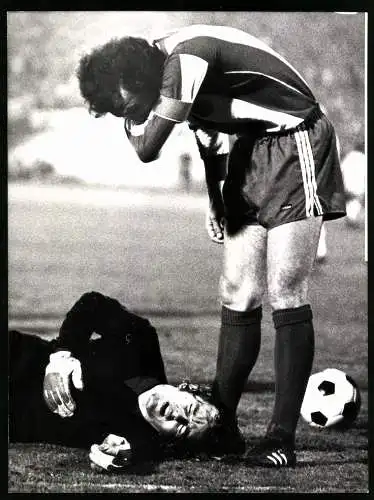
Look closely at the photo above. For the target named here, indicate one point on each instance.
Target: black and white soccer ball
(332, 398)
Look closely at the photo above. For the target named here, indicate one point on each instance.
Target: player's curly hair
(130, 62)
(202, 390)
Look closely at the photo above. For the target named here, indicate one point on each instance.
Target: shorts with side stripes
(286, 176)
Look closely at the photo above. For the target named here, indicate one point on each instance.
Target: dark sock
(293, 360)
(238, 348)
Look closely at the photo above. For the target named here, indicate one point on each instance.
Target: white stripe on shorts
(308, 173)
(313, 171)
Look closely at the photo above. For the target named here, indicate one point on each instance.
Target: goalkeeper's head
(179, 412)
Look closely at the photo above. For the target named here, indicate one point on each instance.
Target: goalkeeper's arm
(92, 312)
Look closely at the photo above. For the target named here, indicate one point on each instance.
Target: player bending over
(283, 180)
(78, 391)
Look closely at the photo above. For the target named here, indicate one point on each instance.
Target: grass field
(152, 253)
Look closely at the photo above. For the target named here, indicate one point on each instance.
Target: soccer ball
(332, 398)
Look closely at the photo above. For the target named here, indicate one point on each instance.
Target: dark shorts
(285, 176)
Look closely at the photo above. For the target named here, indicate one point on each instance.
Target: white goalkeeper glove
(112, 455)
(56, 390)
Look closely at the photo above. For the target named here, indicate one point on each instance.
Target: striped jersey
(221, 78)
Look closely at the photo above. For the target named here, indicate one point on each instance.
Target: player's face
(176, 413)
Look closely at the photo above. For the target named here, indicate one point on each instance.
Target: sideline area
(104, 196)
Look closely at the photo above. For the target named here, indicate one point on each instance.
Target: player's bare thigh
(291, 251)
(243, 278)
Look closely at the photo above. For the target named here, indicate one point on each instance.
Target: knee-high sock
(293, 360)
(238, 348)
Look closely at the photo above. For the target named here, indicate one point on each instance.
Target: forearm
(93, 312)
(214, 151)
(147, 139)
(215, 174)
(77, 327)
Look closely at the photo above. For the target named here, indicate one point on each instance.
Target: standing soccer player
(283, 180)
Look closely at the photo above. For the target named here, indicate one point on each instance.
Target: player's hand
(112, 455)
(62, 368)
(214, 224)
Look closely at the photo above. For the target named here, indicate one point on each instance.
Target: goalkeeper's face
(176, 413)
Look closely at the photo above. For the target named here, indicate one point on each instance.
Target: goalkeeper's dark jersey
(117, 367)
(224, 79)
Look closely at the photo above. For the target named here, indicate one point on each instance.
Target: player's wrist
(215, 193)
(113, 454)
(60, 354)
(62, 362)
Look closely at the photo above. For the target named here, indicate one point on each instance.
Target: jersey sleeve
(182, 79)
(142, 383)
(214, 150)
(94, 312)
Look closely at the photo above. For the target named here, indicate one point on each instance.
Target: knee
(240, 295)
(287, 293)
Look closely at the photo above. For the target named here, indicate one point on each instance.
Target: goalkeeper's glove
(112, 455)
(56, 391)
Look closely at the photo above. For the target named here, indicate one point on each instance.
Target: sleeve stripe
(167, 118)
(213, 141)
(172, 109)
(193, 71)
(224, 147)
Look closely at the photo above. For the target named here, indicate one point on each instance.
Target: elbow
(88, 295)
(147, 159)
(147, 156)
(88, 298)
(146, 151)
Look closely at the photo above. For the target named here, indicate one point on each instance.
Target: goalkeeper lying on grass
(80, 391)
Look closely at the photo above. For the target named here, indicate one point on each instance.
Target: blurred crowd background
(50, 133)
